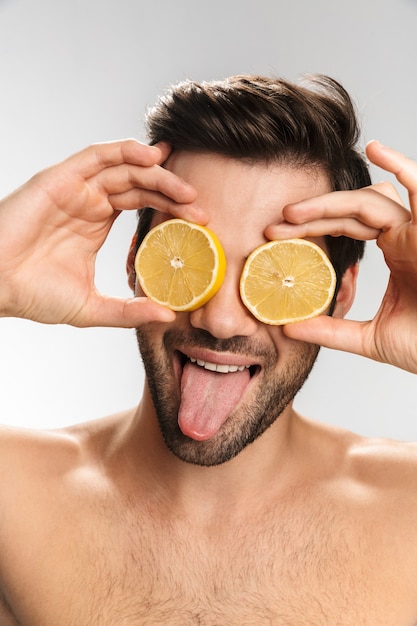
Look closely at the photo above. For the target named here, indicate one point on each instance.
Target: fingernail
(376, 141)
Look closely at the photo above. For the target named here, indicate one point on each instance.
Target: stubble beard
(244, 425)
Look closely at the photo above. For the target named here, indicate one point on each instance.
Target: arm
(377, 213)
(52, 228)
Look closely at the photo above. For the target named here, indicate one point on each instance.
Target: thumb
(329, 332)
(122, 313)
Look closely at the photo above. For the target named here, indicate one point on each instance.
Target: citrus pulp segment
(287, 281)
(180, 264)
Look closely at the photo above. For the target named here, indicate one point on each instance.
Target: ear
(347, 290)
(130, 264)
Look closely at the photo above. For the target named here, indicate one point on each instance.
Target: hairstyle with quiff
(268, 119)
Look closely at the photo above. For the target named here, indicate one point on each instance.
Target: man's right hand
(52, 227)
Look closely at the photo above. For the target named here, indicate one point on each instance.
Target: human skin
(102, 524)
(223, 331)
(375, 212)
(55, 224)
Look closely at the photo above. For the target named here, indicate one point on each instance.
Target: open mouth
(210, 391)
(221, 368)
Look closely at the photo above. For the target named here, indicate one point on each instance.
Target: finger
(388, 190)
(366, 205)
(124, 177)
(165, 150)
(349, 227)
(120, 313)
(329, 332)
(403, 168)
(93, 159)
(141, 198)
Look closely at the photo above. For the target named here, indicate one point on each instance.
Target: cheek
(289, 350)
(281, 342)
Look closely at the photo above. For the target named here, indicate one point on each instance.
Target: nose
(225, 315)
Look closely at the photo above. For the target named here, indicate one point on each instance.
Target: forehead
(245, 197)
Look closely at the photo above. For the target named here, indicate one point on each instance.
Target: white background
(82, 71)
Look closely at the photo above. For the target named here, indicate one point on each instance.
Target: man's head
(249, 146)
(264, 120)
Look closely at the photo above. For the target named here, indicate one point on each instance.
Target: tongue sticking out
(207, 399)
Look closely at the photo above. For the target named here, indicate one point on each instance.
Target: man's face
(218, 377)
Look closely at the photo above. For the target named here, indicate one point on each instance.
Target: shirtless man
(146, 517)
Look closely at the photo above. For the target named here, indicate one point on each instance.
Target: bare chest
(131, 568)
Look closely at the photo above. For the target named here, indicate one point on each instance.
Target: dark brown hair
(267, 119)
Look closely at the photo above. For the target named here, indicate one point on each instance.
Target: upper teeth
(217, 367)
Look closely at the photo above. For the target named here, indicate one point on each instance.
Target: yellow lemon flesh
(287, 281)
(180, 265)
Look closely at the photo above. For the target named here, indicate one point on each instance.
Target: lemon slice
(180, 265)
(287, 281)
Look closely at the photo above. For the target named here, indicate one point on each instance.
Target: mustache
(176, 337)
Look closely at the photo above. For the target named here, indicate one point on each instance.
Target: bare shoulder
(382, 483)
(30, 453)
(384, 463)
(48, 483)
(376, 462)
(368, 488)
(30, 458)
(376, 469)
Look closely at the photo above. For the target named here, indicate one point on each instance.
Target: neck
(266, 463)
